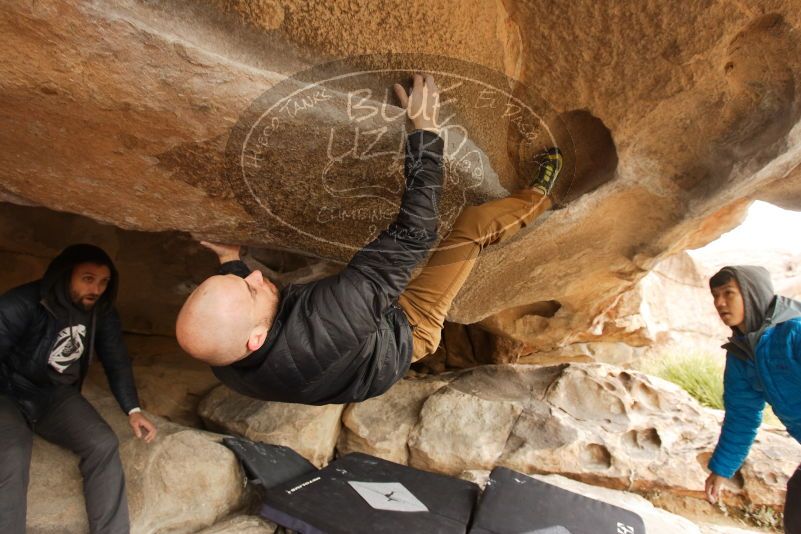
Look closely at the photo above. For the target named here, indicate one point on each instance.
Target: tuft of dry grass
(701, 376)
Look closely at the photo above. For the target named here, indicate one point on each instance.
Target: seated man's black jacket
(344, 338)
(28, 332)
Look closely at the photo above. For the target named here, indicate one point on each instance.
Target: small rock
(312, 431)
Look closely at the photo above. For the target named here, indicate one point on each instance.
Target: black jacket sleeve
(16, 311)
(113, 355)
(381, 270)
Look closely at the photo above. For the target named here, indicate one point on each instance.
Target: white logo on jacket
(68, 347)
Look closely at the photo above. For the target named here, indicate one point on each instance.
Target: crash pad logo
(318, 159)
(391, 496)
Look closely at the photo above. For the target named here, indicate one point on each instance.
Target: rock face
(670, 310)
(591, 422)
(182, 482)
(312, 431)
(136, 114)
(170, 384)
(381, 426)
(122, 112)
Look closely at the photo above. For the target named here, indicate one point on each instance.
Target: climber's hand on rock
(224, 251)
(713, 485)
(422, 102)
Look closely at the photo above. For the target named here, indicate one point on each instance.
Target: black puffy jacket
(28, 329)
(344, 338)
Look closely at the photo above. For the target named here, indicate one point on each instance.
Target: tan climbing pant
(428, 297)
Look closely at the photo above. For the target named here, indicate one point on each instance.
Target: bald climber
(225, 310)
(349, 337)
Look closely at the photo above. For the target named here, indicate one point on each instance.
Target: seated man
(351, 336)
(763, 363)
(48, 330)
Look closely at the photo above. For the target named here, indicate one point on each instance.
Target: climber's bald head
(227, 317)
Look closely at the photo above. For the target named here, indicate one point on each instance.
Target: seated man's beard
(81, 300)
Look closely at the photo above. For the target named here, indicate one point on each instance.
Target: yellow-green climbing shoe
(546, 166)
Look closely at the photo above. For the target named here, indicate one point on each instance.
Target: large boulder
(183, 481)
(170, 384)
(381, 426)
(312, 431)
(122, 112)
(591, 422)
(670, 310)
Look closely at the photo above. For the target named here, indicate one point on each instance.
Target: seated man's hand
(142, 427)
(712, 487)
(422, 102)
(224, 251)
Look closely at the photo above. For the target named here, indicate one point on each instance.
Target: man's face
(263, 293)
(729, 304)
(87, 284)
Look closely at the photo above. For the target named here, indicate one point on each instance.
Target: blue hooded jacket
(762, 365)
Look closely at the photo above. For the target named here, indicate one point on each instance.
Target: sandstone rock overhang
(121, 112)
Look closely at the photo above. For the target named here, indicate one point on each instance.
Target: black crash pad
(513, 503)
(335, 499)
(268, 465)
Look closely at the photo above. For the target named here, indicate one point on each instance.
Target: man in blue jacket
(49, 330)
(763, 364)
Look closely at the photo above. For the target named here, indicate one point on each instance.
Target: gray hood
(763, 308)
